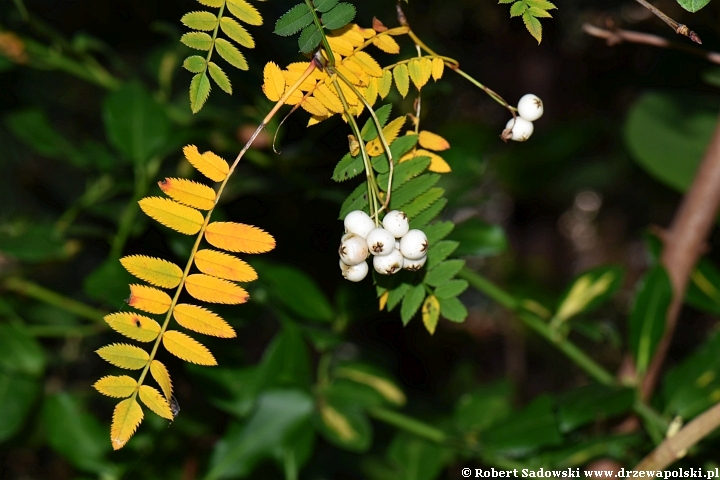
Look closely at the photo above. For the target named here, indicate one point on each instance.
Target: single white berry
(414, 265)
(521, 129)
(396, 222)
(414, 245)
(359, 223)
(380, 241)
(388, 264)
(353, 249)
(354, 273)
(530, 107)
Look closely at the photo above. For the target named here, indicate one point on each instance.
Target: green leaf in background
(479, 239)
(296, 290)
(108, 283)
(135, 123)
(579, 453)
(591, 403)
(338, 16)
(35, 243)
(345, 426)
(670, 150)
(479, 409)
(532, 427)
(415, 458)
(309, 38)
(353, 394)
(703, 290)
(232, 390)
(33, 128)
(293, 20)
(693, 5)
(285, 362)
(18, 393)
(374, 378)
(272, 425)
(19, 351)
(588, 291)
(647, 319)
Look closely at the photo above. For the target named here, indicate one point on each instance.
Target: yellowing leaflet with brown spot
(201, 320)
(186, 348)
(190, 193)
(223, 265)
(238, 237)
(172, 214)
(431, 313)
(215, 290)
(274, 82)
(162, 377)
(126, 417)
(149, 299)
(432, 141)
(155, 401)
(120, 386)
(209, 164)
(155, 271)
(124, 356)
(133, 325)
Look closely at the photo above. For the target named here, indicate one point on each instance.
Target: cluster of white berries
(530, 108)
(393, 246)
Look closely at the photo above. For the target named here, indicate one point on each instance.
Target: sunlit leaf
(201, 320)
(238, 237)
(220, 78)
(155, 271)
(244, 12)
(186, 348)
(199, 91)
(124, 356)
(162, 377)
(155, 401)
(199, 20)
(190, 193)
(236, 32)
(173, 215)
(197, 40)
(133, 325)
(230, 53)
(209, 164)
(367, 63)
(126, 417)
(149, 299)
(116, 386)
(274, 82)
(402, 79)
(438, 66)
(215, 290)
(223, 265)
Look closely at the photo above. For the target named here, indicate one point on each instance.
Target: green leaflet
(693, 5)
(356, 201)
(440, 251)
(309, 38)
(230, 54)
(396, 295)
(293, 20)
(338, 16)
(244, 12)
(444, 272)
(236, 32)
(422, 220)
(397, 148)
(348, 167)
(530, 11)
(200, 21)
(197, 40)
(647, 319)
(369, 131)
(195, 64)
(222, 80)
(405, 171)
(422, 202)
(324, 5)
(402, 79)
(453, 309)
(451, 289)
(199, 91)
(411, 303)
(412, 189)
(437, 231)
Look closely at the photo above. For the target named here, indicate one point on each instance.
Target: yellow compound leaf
(229, 267)
(294, 98)
(187, 348)
(432, 141)
(402, 79)
(357, 76)
(367, 63)
(238, 237)
(315, 107)
(126, 417)
(155, 401)
(315, 119)
(438, 67)
(244, 12)
(155, 271)
(149, 299)
(386, 43)
(384, 83)
(366, 33)
(120, 386)
(274, 82)
(340, 46)
(133, 325)
(328, 98)
(301, 67)
(431, 313)
(437, 163)
(190, 193)
(124, 356)
(416, 74)
(349, 34)
(215, 290)
(180, 218)
(350, 96)
(162, 377)
(371, 92)
(390, 132)
(201, 320)
(209, 164)
(292, 76)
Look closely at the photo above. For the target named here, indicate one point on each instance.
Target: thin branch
(679, 28)
(614, 37)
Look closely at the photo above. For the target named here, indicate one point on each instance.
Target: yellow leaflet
(348, 34)
(180, 218)
(437, 163)
(383, 300)
(340, 46)
(229, 267)
(398, 31)
(384, 83)
(431, 313)
(402, 80)
(426, 69)
(292, 76)
(390, 132)
(438, 66)
(126, 417)
(238, 237)
(367, 63)
(328, 98)
(188, 192)
(209, 164)
(201, 320)
(155, 271)
(338, 423)
(300, 67)
(187, 348)
(386, 43)
(215, 290)
(315, 119)
(294, 98)
(149, 299)
(274, 82)
(120, 386)
(124, 356)
(366, 33)
(162, 377)
(135, 326)
(350, 96)
(383, 386)
(432, 141)
(244, 12)
(360, 76)
(371, 92)
(315, 107)
(154, 401)
(415, 71)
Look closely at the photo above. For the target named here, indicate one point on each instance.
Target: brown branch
(679, 28)
(614, 37)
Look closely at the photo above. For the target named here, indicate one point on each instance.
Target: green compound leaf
(195, 64)
(440, 251)
(422, 220)
(438, 231)
(199, 21)
(199, 91)
(348, 167)
(451, 289)
(244, 12)
(293, 20)
(231, 54)
(518, 9)
(369, 131)
(405, 171)
(236, 32)
(533, 25)
(325, 5)
(396, 295)
(338, 16)
(444, 272)
(422, 202)
(453, 309)
(412, 189)
(309, 38)
(197, 40)
(357, 200)
(693, 5)
(411, 303)
(220, 78)
(398, 148)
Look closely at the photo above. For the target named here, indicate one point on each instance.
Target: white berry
(396, 222)
(380, 241)
(414, 265)
(530, 107)
(521, 129)
(354, 273)
(359, 223)
(414, 245)
(388, 264)
(353, 249)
